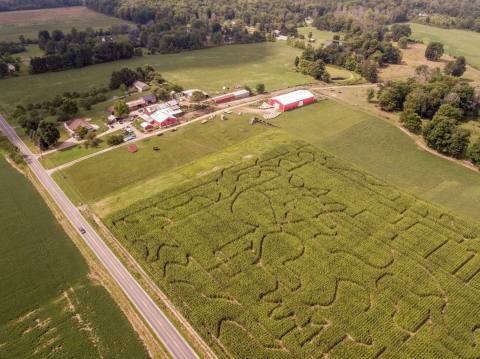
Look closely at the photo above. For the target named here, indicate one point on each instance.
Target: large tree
(434, 51)
(47, 134)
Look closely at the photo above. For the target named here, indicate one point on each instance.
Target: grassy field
(209, 69)
(30, 22)
(319, 35)
(48, 305)
(383, 150)
(60, 157)
(457, 42)
(295, 254)
(413, 57)
(94, 179)
(118, 178)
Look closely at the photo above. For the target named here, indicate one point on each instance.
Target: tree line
(362, 50)
(435, 105)
(78, 49)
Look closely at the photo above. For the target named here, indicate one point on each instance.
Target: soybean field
(50, 305)
(294, 254)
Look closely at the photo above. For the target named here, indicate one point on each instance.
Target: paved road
(161, 326)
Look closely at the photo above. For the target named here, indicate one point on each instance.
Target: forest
(268, 14)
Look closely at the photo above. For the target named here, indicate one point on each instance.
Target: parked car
(82, 230)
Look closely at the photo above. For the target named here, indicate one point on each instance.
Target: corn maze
(297, 255)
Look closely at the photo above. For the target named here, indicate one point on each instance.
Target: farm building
(236, 95)
(188, 93)
(162, 119)
(136, 104)
(146, 126)
(73, 125)
(171, 107)
(140, 86)
(292, 100)
(149, 99)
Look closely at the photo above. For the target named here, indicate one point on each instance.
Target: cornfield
(295, 254)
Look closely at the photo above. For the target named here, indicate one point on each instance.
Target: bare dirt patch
(413, 57)
(45, 15)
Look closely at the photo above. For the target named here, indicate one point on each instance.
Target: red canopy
(133, 148)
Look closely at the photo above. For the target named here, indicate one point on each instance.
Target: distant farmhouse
(72, 126)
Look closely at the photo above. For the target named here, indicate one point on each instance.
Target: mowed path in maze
(296, 255)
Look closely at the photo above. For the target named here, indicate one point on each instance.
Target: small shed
(292, 100)
(141, 86)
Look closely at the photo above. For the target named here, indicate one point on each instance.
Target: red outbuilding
(163, 119)
(292, 100)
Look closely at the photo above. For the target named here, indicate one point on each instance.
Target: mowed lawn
(115, 171)
(48, 305)
(457, 42)
(29, 22)
(294, 253)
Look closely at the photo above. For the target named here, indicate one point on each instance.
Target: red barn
(163, 119)
(292, 100)
(237, 95)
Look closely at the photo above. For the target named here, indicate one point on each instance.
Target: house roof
(140, 84)
(149, 98)
(294, 96)
(78, 122)
(135, 103)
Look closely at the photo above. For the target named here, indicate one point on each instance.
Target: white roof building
(294, 96)
(160, 116)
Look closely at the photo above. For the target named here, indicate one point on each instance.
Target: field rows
(294, 254)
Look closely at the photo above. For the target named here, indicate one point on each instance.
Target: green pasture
(456, 42)
(48, 305)
(385, 151)
(293, 253)
(319, 35)
(208, 69)
(29, 22)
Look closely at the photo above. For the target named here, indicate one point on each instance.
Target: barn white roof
(294, 96)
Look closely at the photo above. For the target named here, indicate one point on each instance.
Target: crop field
(49, 306)
(468, 46)
(294, 254)
(30, 22)
(208, 69)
